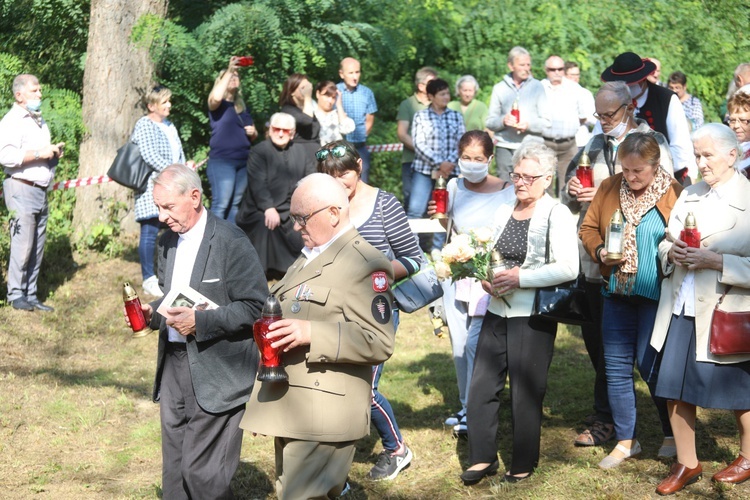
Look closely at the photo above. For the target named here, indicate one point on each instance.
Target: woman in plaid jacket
(160, 147)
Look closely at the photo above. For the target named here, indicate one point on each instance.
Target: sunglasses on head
(336, 152)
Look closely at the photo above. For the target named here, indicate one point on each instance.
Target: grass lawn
(77, 422)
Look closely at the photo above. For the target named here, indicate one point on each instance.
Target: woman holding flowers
(380, 219)
(512, 343)
(472, 200)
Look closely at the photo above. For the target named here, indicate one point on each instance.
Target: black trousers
(592, 338)
(509, 347)
(200, 450)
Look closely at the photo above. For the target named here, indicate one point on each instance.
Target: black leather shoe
(507, 478)
(21, 304)
(470, 477)
(41, 307)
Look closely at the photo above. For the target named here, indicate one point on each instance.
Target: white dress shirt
(567, 106)
(19, 133)
(312, 253)
(187, 250)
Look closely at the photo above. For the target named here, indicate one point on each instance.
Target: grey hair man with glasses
(336, 303)
(616, 112)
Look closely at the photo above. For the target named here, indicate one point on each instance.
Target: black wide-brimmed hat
(629, 68)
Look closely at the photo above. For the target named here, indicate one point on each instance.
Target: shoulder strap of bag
(721, 299)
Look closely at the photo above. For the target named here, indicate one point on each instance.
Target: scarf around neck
(633, 209)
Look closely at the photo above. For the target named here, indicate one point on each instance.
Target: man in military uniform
(337, 324)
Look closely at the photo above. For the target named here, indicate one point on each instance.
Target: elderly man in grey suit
(207, 358)
(335, 301)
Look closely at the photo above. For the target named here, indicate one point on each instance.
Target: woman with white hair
(273, 169)
(512, 342)
(473, 110)
(691, 375)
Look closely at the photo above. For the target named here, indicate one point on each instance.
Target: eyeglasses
(555, 69)
(280, 129)
(527, 179)
(739, 121)
(302, 219)
(608, 116)
(336, 151)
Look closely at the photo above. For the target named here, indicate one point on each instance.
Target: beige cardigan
(724, 229)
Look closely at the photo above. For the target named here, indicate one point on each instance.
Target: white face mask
(474, 172)
(620, 128)
(34, 105)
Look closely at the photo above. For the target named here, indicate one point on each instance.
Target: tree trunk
(115, 78)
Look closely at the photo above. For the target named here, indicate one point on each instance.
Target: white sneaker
(151, 287)
(456, 417)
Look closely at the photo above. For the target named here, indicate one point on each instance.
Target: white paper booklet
(185, 297)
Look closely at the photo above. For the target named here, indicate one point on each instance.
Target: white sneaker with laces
(151, 287)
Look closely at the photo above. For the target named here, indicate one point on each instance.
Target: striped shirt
(388, 230)
(648, 235)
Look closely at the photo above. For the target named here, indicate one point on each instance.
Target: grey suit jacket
(343, 294)
(222, 353)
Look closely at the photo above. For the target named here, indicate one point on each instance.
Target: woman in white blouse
(334, 123)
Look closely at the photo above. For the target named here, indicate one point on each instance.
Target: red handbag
(730, 331)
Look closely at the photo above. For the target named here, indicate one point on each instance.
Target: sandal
(596, 435)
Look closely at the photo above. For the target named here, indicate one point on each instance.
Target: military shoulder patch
(381, 309)
(379, 281)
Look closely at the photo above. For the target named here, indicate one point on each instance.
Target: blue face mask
(34, 105)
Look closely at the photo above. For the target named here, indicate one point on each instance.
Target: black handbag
(129, 169)
(418, 290)
(564, 303)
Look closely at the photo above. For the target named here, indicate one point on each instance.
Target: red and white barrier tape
(379, 148)
(103, 179)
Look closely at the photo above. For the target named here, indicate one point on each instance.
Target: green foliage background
(705, 39)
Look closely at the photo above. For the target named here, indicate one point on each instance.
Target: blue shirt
(358, 103)
(229, 141)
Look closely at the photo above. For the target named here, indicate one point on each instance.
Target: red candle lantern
(515, 112)
(690, 233)
(270, 369)
(134, 311)
(440, 197)
(584, 173)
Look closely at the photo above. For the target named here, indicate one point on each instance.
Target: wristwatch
(36, 154)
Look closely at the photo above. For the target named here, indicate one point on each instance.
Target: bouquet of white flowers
(466, 256)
